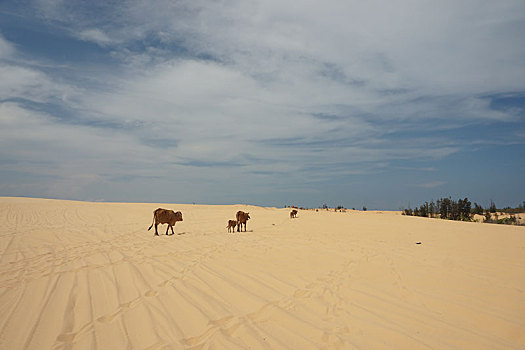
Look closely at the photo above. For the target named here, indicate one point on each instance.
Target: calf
(231, 225)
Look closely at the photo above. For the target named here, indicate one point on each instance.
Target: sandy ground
(76, 275)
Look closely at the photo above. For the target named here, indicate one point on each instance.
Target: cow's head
(178, 216)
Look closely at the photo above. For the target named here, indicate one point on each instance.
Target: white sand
(77, 275)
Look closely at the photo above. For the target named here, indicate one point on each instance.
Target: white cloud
(452, 48)
(442, 48)
(28, 83)
(6, 48)
(95, 35)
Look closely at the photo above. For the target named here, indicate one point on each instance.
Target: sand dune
(76, 275)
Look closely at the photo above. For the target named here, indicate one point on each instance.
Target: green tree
(478, 209)
(423, 210)
(488, 216)
(492, 207)
(445, 208)
(432, 209)
(465, 209)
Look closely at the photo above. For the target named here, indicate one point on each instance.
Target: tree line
(444, 208)
(462, 210)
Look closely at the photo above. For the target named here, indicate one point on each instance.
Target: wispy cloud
(95, 35)
(418, 169)
(6, 48)
(430, 184)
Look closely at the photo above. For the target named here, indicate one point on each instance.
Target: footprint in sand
(164, 284)
(221, 322)
(302, 293)
(108, 318)
(129, 304)
(71, 336)
(151, 293)
(66, 337)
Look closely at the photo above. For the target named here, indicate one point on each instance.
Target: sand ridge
(77, 275)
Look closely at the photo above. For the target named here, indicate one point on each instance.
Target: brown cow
(231, 225)
(165, 216)
(242, 217)
(293, 214)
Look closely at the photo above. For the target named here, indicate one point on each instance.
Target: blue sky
(381, 104)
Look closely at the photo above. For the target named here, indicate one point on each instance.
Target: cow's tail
(155, 212)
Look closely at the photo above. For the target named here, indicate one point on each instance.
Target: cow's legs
(167, 229)
(238, 226)
(172, 232)
(156, 232)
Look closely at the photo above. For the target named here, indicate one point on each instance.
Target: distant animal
(293, 214)
(165, 216)
(242, 217)
(231, 225)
